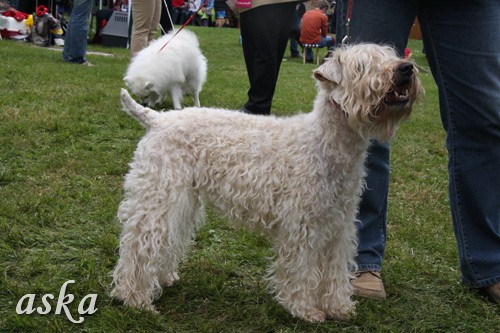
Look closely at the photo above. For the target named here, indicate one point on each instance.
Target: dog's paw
(339, 315)
(169, 279)
(150, 307)
(313, 316)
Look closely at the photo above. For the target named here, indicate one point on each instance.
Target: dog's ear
(329, 71)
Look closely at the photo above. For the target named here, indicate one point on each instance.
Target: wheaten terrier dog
(297, 180)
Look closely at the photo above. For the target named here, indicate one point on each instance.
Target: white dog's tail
(144, 115)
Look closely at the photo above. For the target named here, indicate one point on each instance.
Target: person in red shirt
(314, 28)
(179, 11)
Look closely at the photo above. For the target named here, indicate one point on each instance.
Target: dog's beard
(382, 120)
(388, 118)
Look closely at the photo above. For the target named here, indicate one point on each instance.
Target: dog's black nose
(406, 68)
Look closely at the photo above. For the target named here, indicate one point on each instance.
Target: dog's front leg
(336, 265)
(295, 275)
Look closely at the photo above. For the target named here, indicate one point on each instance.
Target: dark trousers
(265, 31)
(164, 20)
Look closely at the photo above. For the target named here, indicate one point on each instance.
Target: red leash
(185, 23)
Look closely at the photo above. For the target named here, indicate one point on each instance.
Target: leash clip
(347, 36)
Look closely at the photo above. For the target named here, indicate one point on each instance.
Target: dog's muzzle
(402, 81)
(403, 74)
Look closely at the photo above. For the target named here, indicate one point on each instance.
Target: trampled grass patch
(64, 149)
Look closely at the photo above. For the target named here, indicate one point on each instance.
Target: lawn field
(65, 146)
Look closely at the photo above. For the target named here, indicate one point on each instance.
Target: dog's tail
(144, 115)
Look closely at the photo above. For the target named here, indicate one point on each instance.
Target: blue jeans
(295, 30)
(327, 41)
(294, 47)
(461, 40)
(75, 40)
(178, 15)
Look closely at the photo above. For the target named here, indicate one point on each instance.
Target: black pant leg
(265, 31)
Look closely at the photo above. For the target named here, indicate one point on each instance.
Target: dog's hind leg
(196, 97)
(177, 96)
(185, 216)
(195, 89)
(136, 275)
(158, 224)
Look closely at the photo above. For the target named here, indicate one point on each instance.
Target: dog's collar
(334, 103)
(336, 106)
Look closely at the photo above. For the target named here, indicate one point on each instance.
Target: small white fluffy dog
(297, 180)
(179, 69)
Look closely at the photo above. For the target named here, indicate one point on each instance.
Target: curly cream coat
(297, 180)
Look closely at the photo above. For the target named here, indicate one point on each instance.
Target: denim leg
(461, 39)
(462, 50)
(294, 47)
(309, 53)
(295, 33)
(326, 42)
(373, 209)
(75, 40)
(175, 15)
(385, 22)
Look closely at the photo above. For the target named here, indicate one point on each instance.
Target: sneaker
(87, 63)
(492, 292)
(369, 284)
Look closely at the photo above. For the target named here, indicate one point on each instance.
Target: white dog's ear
(329, 71)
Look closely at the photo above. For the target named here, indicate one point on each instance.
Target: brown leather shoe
(492, 292)
(369, 284)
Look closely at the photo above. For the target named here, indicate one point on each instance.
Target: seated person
(192, 7)
(314, 28)
(179, 11)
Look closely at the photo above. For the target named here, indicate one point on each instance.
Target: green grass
(64, 149)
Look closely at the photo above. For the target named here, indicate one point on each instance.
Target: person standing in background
(220, 12)
(300, 9)
(145, 21)
(75, 39)
(265, 29)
